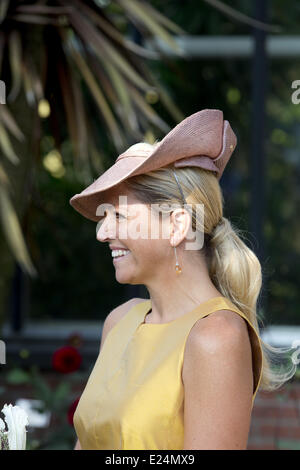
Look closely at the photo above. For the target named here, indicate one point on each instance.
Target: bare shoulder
(116, 315)
(121, 310)
(220, 331)
(218, 383)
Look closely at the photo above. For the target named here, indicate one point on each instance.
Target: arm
(218, 391)
(110, 321)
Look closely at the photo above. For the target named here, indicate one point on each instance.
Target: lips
(113, 247)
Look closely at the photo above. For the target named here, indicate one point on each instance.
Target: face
(130, 225)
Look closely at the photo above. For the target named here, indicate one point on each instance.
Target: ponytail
(236, 272)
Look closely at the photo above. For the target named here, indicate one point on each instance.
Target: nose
(106, 229)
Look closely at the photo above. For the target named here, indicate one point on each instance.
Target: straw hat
(203, 139)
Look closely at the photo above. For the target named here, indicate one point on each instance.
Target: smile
(118, 254)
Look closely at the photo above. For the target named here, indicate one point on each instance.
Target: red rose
(72, 410)
(66, 359)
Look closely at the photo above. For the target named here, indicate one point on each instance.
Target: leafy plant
(67, 60)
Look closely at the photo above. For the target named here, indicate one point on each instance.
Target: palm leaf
(2, 42)
(145, 17)
(15, 57)
(35, 80)
(116, 89)
(13, 232)
(3, 177)
(6, 146)
(112, 32)
(97, 53)
(103, 49)
(97, 159)
(80, 117)
(3, 9)
(7, 119)
(237, 15)
(34, 19)
(28, 85)
(166, 99)
(148, 111)
(98, 96)
(43, 9)
(68, 99)
(163, 19)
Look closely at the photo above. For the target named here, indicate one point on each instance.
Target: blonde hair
(233, 267)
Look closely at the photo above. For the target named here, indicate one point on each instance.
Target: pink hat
(203, 140)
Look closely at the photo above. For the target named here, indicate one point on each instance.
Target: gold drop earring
(178, 269)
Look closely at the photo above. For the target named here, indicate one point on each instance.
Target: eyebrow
(115, 211)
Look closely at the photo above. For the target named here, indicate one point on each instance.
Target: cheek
(157, 252)
(134, 229)
(145, 230)
(158, 228)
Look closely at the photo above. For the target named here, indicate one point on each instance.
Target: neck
(173, 295)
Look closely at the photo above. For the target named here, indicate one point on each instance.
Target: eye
(118, 215)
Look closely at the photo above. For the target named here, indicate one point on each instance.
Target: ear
(179, 225)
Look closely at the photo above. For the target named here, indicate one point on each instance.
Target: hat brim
(205, 131)
(88, 200)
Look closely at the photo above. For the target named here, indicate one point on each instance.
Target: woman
(181, 369)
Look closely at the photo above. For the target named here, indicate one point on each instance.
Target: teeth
(115, 253)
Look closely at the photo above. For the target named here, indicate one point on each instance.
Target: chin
(122, 279)
(125, 277)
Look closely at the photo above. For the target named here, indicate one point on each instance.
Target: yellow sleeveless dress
(134, 396)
